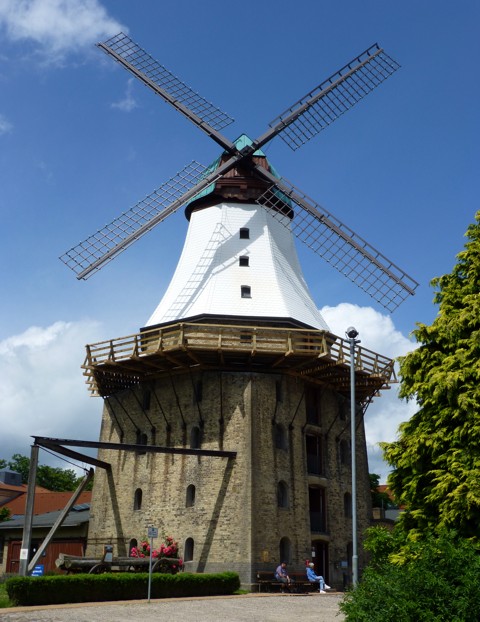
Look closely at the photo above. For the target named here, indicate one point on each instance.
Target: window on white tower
(244, 233)
(244, 261)
(246, 291)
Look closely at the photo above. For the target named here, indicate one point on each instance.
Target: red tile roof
(46, 501)
(22, 488)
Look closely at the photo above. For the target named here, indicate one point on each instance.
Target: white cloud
(128, 103)
(43, 391)
(5, 125)
(57, 26)
(377, 332)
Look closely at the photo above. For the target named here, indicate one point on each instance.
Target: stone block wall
(249, 511)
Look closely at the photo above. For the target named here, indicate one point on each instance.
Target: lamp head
(351, 332)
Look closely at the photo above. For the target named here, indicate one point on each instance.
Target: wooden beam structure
(118, 364)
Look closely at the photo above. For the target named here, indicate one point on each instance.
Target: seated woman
(314, 578)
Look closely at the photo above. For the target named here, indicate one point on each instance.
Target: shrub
(116, 586)
(433, 580)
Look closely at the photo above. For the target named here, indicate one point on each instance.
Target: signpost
(152, 533)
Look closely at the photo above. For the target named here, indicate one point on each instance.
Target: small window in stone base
(137, 499)
(285, 550)
(190, 502)
(195, 437)
(280, 436)
(246, 291)
(146, 398)
(347, 505)
(344, 452)
(282, 495)
(188, 552)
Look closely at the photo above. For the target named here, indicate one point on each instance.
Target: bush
(433, 580)
(116, 586)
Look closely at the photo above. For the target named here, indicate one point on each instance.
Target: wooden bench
(266, 582)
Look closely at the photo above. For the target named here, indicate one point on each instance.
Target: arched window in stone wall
(282, 495)
(343, 407)
(349, 555)
(197, 391)
(347, 505)
(132, 545)
(137, 499)
(285, 550)
(280, 436)
(313, 404)
(344, 452)
(188, 552)
(190, 502)
(317, 504)
(146, 399)
(142, 439)
(278, 391)
(314, 449)
(195, 437)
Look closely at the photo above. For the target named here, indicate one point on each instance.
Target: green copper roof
(242, 141)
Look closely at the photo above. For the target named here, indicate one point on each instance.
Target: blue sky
(81, 141)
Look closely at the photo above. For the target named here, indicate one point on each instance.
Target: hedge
(61, 589)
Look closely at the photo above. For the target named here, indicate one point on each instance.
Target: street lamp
(352, 334)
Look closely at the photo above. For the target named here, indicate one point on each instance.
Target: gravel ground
(246, 608)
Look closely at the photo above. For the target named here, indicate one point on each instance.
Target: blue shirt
(311, 576)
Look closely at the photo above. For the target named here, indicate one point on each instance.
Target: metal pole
(352, 333)
(150, 569)
(28, 522)
(152, 533)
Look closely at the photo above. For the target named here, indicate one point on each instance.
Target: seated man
(282, 576)
(313, 578)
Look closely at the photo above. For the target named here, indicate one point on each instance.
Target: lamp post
(352, 334)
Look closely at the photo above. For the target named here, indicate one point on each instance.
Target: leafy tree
(434, 580)
(52, 478)
(4, 514)
(3, 463)
(436, 459)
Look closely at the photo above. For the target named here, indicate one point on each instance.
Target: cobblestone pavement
(247, 608)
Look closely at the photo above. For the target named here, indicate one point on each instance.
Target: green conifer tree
(436, 459)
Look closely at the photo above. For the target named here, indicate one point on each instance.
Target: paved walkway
(246, 608)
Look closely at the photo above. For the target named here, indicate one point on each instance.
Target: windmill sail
(98, 249)
(164, 83)
(332, 98)
(340, 246)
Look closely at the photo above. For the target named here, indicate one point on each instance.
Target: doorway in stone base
(320, 558)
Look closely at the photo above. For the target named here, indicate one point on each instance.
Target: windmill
(253, 377)
(320, 230)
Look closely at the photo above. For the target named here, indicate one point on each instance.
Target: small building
(71, 537)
